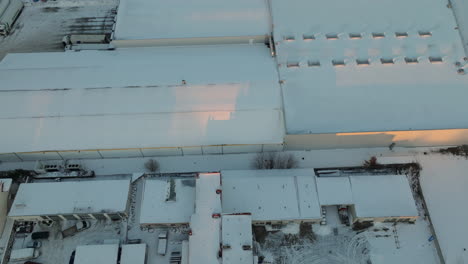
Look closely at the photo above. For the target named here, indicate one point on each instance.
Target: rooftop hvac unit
(73, 167)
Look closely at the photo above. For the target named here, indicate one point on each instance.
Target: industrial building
(60, 201)
(140, 102)
(167, 202)
(272, 196)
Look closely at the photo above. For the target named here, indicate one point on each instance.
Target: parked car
(24, 254)
(32, 262)
(34, 244)
(40, 235)
(82, 225)
(79, 226)
(162, 243)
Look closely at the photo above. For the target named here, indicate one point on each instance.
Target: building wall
(138, 152)
(418, 138)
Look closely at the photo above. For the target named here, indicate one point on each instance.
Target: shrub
(152, 165)
(274, 160)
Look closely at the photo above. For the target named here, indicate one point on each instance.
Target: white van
(9, 12)
(162, 243)
(24, 254)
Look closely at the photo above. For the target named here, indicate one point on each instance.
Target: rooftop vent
(401, 34)
(289, 38)
(378, 35)
(435, 59)
(338, 63)
(313, 63)
(308, 37)
(387, 61)
(411, 60)
(425, 34)
(363, 62)
(355, 35)
(292, 65)
(332, 36)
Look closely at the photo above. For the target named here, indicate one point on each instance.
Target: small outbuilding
(103, 199)
(93, 254)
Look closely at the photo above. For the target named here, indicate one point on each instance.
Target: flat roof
(334, 190)
(375, 98)
(92, 254)
(77, 197)
(271, 195)
(237, 232)
(160, 206)
(140, 98)
(206, 230)
(364, 94)
(383, 196)
(159, 19)
(133, 254)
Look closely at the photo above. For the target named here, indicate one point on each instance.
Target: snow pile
(291, 229)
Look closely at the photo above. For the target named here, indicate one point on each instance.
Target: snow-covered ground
(41, 26)
(384, 243)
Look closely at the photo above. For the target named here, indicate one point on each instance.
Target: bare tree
(152, 165)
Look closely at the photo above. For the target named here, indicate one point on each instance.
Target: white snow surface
(334, 190)
(374, 97)
(156, 210)
(271, 194)
(382, 196)
(93, 254)
(206, 230)
(237, 232)
(156, 19)
(136, 98)
(73, 197)
(133, 254)
(444, 183)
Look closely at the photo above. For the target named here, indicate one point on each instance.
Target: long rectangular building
(140, 102)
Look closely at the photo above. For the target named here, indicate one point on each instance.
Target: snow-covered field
(41, 26)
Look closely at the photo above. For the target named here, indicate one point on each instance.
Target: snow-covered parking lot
(41, 26)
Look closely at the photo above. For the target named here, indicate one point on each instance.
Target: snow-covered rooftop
(92, 254)
(140, 98)
(391, 67)
(5, 185)
(206, 229)
(383, 196)
(77, 197)
(271, 194)
(133, 254)
(334, 190)
(374, 98)
(160, 205)
(160, 19)
(237, 233)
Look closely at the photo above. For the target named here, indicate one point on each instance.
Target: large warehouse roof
(78, 197)
(271, 195)
(385, 71)
(151, 19)
(140, 97)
